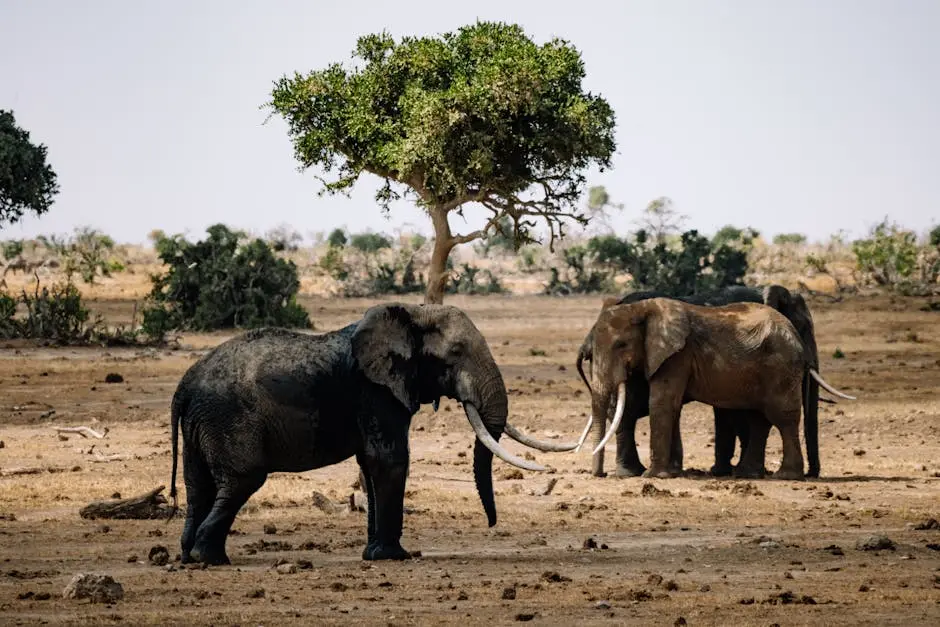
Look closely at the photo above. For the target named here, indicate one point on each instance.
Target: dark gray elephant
(273, 400)
(729, 424)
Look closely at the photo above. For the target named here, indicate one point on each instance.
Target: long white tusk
(587, 429)
(547, 447)
(489, 442)
(828, 387)
(618, 414)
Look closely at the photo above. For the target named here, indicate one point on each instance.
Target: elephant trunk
(486, 405)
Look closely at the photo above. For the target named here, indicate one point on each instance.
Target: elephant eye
(457, 349)
(619, 344)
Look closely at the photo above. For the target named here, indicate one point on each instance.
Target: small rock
(338, 586)
(321, 502)
(523, 618)
(113, 377)
(462, 596)
(769, 544)
(590, 543)
(554, 577)
(877, 542)
(131, 559)
(42, 596)
(171, 568)
(96, 587)
(654, 579)
(2, 444)
(257, 593)
(509, 594)
(927, 524)
(512, 474)
(863, 588)
(651, 490)
(680, 621)
(602, 605)
(834, 549)
(304, 564)
(287, 569)
(671, 586)
(159, 555)
(705, 588)
(858, 452)
(270, 529)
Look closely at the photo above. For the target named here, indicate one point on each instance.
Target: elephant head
(628, 340)
(420, 353)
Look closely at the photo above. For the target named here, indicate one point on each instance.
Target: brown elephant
(729, 425)
(745, 357)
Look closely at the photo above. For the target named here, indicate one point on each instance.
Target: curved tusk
(490, 442)
(584, 435)
(546, 447)
(618, 414)
(828, 387)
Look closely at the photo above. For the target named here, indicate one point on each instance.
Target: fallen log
(85, 432)
(29, 470)
(144, 507)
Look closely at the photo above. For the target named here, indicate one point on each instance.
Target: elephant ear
(384, 348)
(667, 329)
(778, 297)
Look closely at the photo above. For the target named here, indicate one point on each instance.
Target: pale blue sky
(787, 115)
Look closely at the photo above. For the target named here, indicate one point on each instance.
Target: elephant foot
(210, 557)
(743, 472)
(812, 473)
(721, 470)
(787, 474)
(385, 552)
(599, 473)
(186, 558)
(630, 471)
(662, 473)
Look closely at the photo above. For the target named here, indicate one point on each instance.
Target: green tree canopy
(27, 182)
(483, 114)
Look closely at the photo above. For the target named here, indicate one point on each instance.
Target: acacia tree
(481, 115)
(27, 182)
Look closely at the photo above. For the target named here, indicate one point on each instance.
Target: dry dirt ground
(694, 550)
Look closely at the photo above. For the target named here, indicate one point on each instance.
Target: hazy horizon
(803, 116)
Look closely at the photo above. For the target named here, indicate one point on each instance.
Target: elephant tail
(175, 410)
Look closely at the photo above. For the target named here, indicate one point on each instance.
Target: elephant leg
(675, 448)
(200, 495)
(365, 482)
(386, 460)
(751, 464)
(213, 532)
(628, 460)
(724, 441)
(665, 406)
(788, 423)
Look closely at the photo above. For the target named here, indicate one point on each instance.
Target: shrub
(87, 252)
(333, 263)
(58, 314)
(337, 239)
(783, 239)
(688, 265)
(888, 255)
(219, 283)
(466, 282)
(11, 249)
(934, 237)
(577, 277)
(283, 238)
(369, 243)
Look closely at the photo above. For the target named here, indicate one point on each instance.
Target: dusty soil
(694, 550)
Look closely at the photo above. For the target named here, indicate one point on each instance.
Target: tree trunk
(437, 270)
